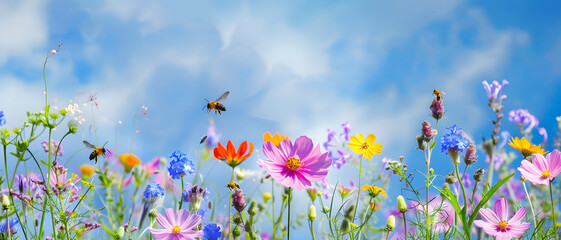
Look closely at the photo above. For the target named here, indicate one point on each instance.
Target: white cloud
(23, 28)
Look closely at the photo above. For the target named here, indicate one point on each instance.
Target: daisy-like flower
(295, 165)
(525, 147)
(230, 155)
(373, 191)
(496, 222)
(366, 147)
(542, 170)
(276, 139)
(177, 226)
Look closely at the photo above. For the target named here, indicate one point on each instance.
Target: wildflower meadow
(115, 195)
(280, 120)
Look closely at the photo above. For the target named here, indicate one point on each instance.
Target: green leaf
(432, 145)
(454, 201)
(486, 198)
(43, 161)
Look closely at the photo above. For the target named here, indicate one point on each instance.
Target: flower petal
(501, 209)
(303, 146)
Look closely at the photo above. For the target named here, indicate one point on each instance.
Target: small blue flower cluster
(454, 139)
(212, 232)
(154, 190)
(13, 226)
(180, 165)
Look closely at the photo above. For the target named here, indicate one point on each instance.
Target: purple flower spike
(495, 90)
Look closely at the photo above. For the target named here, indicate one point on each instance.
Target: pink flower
(177, 226)
(497, 223)
(152, 167)
(295, 165)
(542, 170)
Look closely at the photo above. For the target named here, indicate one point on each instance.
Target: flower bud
(196, 196)
(5, 202)
(152, 215)
(437, 109)
(488, 147)
(454, 154)
(247, 227)
(470, 155)
(238, 200)
(478, 175)
(267, 196)
(252, 210)
(426, 131)
(422, 144)
(237, 218)
(236, 232)
(444, 188)
(451, 178)
(120, 232)
(312, 213)
(73, 126)
(140, 174)
(345, 226)
(349, 213)
(21, 146)
(390, 224)
(325, 209)
(401, 205)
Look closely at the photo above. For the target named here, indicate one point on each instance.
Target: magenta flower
(542, 170)
(498, 225)
(177, 226)
(295, 165)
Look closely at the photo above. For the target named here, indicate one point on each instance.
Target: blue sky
(294, 67)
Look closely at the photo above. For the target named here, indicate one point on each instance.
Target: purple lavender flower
(54, 146)
(21, 182)
(466, 180)
(522, 118)
(330, 137)
(495, 90)
(212, 138)
(341, 159)
(543, 132)
(195, 196)
(346, 130)
(499, 160)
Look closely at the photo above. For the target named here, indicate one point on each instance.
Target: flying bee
(215, 105)
(97, 151)
(233, 185)
(438, 94)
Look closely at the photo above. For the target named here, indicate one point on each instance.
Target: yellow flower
(366, 148)
(129, 161)
(86, 170)
(373, 191)
(275, 139)
(525, 147)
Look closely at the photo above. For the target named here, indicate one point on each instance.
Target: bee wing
(224, 96)
(88, 144)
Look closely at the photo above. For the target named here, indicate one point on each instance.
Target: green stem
(461, 185)
(358, 190)
(405, 225)
(289, 200)
(553, 210)
(273, 205)
(312, 226)
(530, 203)
(230, 208)
(181, 198)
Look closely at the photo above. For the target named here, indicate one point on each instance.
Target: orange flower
(86, 170)
(229, 154)
(275, 139)
(129, 161)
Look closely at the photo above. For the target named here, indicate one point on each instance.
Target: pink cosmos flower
(177, 226)
(295, 165)
(497, 223)
(542, 170)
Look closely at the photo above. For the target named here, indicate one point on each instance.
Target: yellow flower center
(546, 174)
(176, 229)
(293, 163)
(364, 146)
(503, 225)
